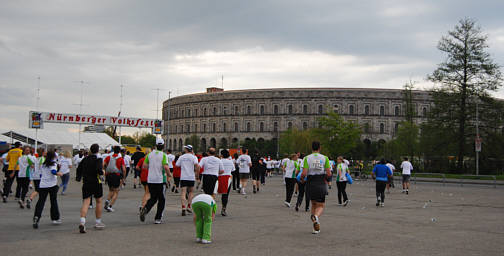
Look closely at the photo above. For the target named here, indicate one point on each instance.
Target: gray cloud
(184, 46)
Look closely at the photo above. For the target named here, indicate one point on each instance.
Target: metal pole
(120, 110)
(477, 137)
(168, 117)
(80, 112)
(37, 108)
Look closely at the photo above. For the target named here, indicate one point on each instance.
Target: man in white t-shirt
(390, 182)
(244, 163)
(157, 164)
(212, 167)
(406, 167)
(189, 172)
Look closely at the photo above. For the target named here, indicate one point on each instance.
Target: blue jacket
(381, 172)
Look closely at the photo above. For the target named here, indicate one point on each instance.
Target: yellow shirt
(12, 157)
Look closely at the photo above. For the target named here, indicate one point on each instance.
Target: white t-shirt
(229, 167)
(211, 165)
(346, 162)
(406, 168)
(65, 164)
(127, 160)
(48, 180)
(77, 160)
(25, 163)
(171, 158)
(344, 169)
(38, 165)
(269, 164)
(156, 161)
(243, 163)
(290, 168)
(186, 163)
(316, 164)
(204, 198)
(391, 167)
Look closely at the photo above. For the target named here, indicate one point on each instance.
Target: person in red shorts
(144, 173)
(114, 167)
(176, 175)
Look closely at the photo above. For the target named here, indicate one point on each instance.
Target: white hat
(188, 147)
(159, 141)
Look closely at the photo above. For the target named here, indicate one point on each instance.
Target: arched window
(305, 109)
(261, 127)
(236, 112)
(180, 145)
(397, 111)
(366, 110)
(224, 127)
(204, 128)
(275, 126)
(224, 111)
(188, 128)
(249, 110)
(382, 110)
(262, 109)
(195, 112)
(214, 111)
(289, 125)
(275, 109)
(188, 113)
(336, 108)
(214, 127)
(195, 127)
(204, 112)
(382, 128)
(183, 113)
(351, 109)
(248, 126)
(236, 127)
(290, 109)
(305, 125)
(396, 128)
(424, 112)
(320, 109)
(176, 129)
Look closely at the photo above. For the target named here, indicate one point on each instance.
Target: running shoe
(183, 212)
(134, 186)
(407, 192)
(173, 189)
(28, 203)
(142, 214)
(99, 226)
(21, 204)
(4, 199)
(346, 203)
(198, 240)
(109, 209)
(107, 202)
(254, 190)
(189, 210)
(382, 204)
(297, 208)
(287, 204)
(176, 191)
(158, 222)
(223, 212)
(315, 232)
(91, 206)
(378, 200)
(57, 222)
(82, 228)
(316, 223)
(35, 222)
(203, 241)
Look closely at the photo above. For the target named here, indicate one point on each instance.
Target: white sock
(98, 220)
(83, 220)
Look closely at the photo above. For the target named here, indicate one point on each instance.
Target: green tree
(337, 136)
(128, 140)
(468, 74)
(294, 140)
(147, 140)
(194, 140)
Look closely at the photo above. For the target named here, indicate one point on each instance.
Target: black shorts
(255, 174)
(113, 180)
(36, 183)
(144, 183)
(92, 189)
(186, 183)
(209, 182)
(317, 188)
(171, 170)
(406, 178)
(137, 173)
(244, 176)
(176, 180)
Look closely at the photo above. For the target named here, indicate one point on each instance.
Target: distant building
(226, 118)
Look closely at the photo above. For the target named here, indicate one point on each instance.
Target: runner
(269, 168)
(12, 157)
(381, 173)
(256, 171)
(90, 170)
(35, 175)
(176, 176)
(48, 186)
(65, 163)
(78, 158)
(201, 170)
(290, 169)
(406, 167)
(225, 180)
(25, 164)
(303, 192)
(244, 163)
(317, 168)
(170, 159)
(157, 163)
(236, 173)
(135, 158)
(189, 170)
(213, 167)
(144, 173)
(341, 180)
(204, 215)
(127, 163)
(390, 182)
(114, 167)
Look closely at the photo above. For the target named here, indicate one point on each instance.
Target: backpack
(112, 166)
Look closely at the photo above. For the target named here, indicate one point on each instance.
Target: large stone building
(226, 118)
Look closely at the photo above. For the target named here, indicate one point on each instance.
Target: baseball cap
(159, 141)
(188, 147)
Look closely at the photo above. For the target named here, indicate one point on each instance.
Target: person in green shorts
(204, 208)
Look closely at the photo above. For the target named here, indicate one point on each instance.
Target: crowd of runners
(158, 171)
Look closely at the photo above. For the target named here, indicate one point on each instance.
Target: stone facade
(229, 117)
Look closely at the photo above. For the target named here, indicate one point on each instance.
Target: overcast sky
(186, 46)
